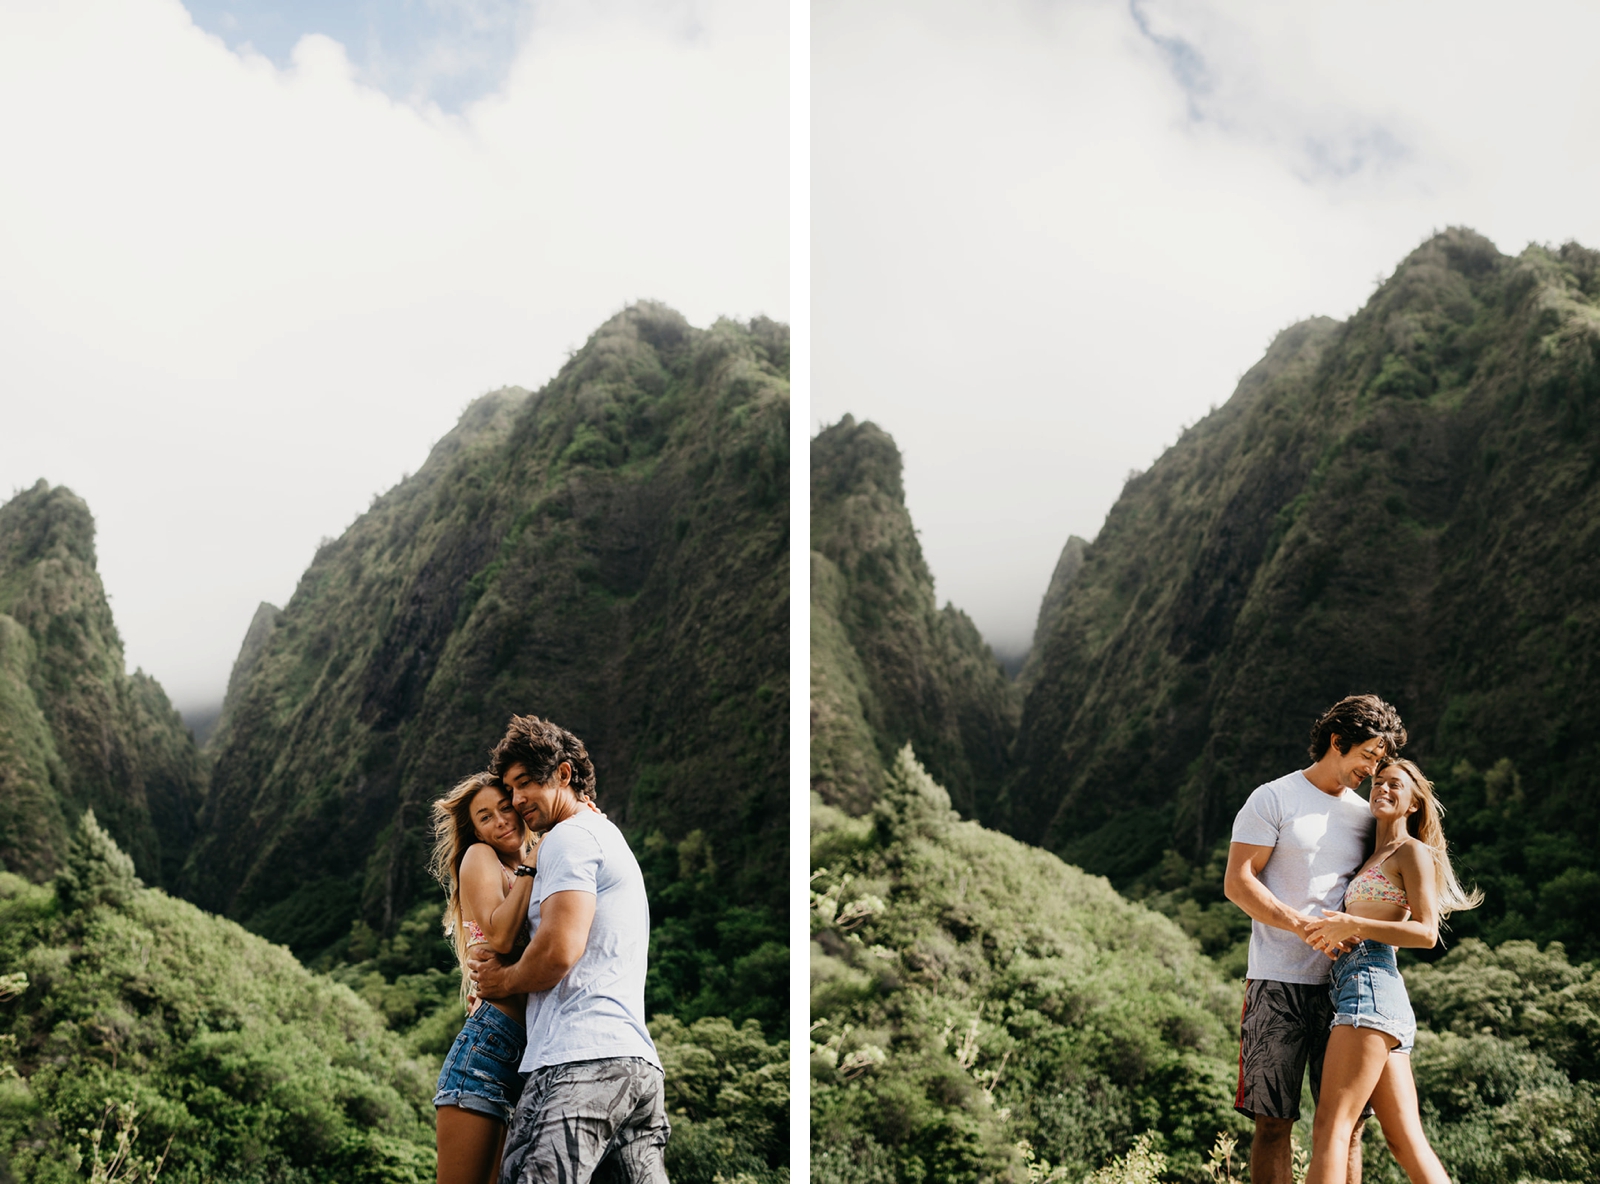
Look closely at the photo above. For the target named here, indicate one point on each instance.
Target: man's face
(1360, 762)
(541, 804)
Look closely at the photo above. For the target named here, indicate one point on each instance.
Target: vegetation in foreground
(122, 1008)
(971, 994)
(983, 1011)
(239, 1062)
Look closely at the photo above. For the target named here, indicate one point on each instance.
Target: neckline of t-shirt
(1338, 797)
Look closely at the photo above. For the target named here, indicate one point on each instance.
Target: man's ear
(564, 773)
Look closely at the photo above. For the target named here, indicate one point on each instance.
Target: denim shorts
(480, 1070)
(1368, 992)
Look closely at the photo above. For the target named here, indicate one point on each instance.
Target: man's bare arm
(1242, 885)
(562, 936)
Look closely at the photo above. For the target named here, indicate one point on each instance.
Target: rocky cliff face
(76, 730)
(610, 552)
(1403, 503)
(887, 664)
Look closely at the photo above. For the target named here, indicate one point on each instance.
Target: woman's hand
(1332, 932)
(530, 853)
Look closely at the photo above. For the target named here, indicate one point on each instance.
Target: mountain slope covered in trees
(888, 666)
(1405, 503)
(235, 1060)
(975, 1001)
(610, 552)
(77, 731)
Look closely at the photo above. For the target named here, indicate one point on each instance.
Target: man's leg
(1353, 1170)
(637, 1154)
(1275, 1032)
(570, 1118)
(1271, 1151)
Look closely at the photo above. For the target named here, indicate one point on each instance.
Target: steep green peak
(485, 420)
(1068, 565)
(45, 522)
(852, 458)
(262, 626)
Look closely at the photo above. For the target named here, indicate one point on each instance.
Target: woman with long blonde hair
(485, 858)
(1400, 897)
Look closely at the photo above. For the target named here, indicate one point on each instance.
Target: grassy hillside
(889, 666)
(610, 552)
(247, 1066)
(971, 994)
(1403, 503)
(76, 730)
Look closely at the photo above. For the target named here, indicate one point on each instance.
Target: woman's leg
(469, 1146)
(1350, 1069)
(1394, 1100)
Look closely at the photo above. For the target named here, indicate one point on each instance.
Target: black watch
(524, 870)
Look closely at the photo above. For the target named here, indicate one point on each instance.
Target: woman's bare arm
(498, 913)
(1414, 866)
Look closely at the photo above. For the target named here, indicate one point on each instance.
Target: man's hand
(490, 973)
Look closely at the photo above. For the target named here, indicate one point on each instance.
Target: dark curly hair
(1355, 719)
(540, 746)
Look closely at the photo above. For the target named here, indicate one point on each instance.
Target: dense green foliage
(252, 1067)
(970, 993)
(1509, 1074)
(76, 730)
(887, 665)
(1404, 503)
(610, 552)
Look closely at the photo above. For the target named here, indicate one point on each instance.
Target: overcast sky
(252, 267)
(1047, 236)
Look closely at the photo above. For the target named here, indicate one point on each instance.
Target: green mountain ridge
(609, 552)
(888, 666)
(77, 731)
(1403, 503)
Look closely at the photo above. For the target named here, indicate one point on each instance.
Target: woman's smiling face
(495, 822)
(1393, 794)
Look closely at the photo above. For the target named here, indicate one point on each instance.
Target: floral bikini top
(1372, 884)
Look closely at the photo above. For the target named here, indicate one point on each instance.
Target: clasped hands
(1333, 933)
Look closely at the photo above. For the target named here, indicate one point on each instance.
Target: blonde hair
(453, 833)
(1425, 826)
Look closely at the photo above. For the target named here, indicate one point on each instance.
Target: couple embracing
(1333, 884)
(554, 1073)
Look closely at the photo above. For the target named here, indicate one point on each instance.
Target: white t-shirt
(1319, 841)
(597, 1009)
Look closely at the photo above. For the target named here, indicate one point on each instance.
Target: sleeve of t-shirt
(1258, 821)
(569, 861)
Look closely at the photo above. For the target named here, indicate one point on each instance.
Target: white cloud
(1049, 234)
(236, 300)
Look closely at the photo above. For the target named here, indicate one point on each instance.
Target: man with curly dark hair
(1296, 843)
(594, 1091)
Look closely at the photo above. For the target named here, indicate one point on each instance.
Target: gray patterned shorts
(1283, 1031)
(584, 1120)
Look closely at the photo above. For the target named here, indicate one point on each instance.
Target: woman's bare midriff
(515, 1007)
